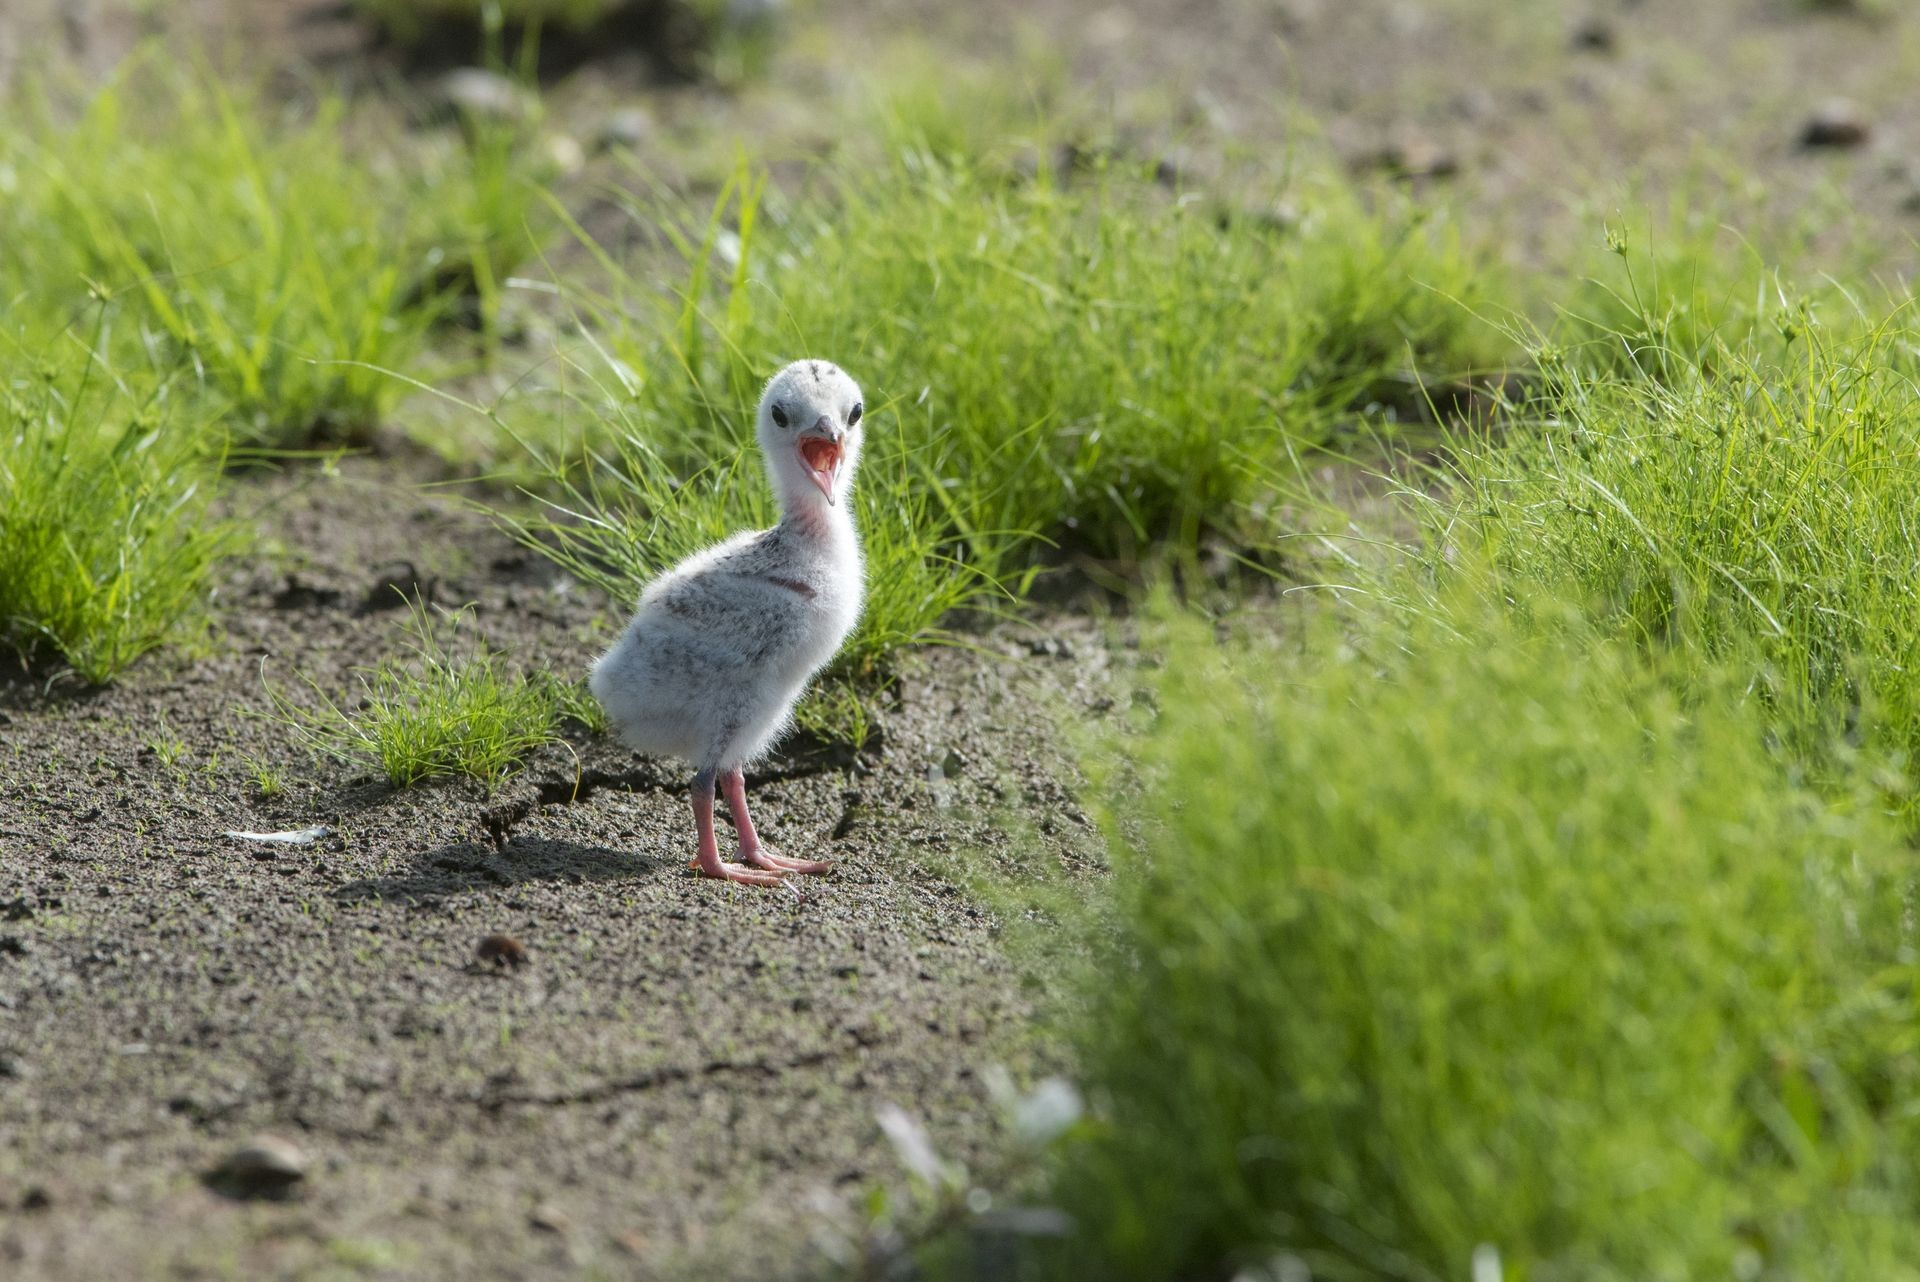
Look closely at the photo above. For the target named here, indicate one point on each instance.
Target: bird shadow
(498, 857)
(468, 866)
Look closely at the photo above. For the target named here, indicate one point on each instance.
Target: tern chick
(724, 643)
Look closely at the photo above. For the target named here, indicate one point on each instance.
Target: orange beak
(821, 456)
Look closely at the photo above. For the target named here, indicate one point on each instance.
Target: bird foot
(761, 857)
(723, 871)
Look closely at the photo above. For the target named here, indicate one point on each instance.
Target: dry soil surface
(670, 1084)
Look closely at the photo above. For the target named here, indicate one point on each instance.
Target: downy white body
(724, 644)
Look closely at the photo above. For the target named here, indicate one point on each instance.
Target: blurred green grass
(288, 267)
(1449, 938)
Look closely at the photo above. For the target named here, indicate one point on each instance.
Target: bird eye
(779, 416)
(855, 416)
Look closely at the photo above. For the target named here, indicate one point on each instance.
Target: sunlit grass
(1093, 366)
(1762, 507)
(1094, 361)
(452, 708)
(1451, 942)
(107, 529)
(252, 242)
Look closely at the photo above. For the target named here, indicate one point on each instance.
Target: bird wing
(742, 597)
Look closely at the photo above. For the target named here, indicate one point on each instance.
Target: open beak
(820, 453)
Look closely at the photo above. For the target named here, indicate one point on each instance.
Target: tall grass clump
(1454, 947)
(253, 242)
(1763, 510)
(107, 528)
(1095, 361)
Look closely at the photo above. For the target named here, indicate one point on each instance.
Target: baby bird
(724, 643)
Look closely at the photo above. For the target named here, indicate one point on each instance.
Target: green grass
(1098, 365)
(1763, 511)
(1439, 939)
(108, 532)
(186, 269)
(451, 709)
(1675, 292)
(1093, 361)
(287, 266)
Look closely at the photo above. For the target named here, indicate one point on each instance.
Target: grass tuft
(449, 710)
(1092, 361)
(1763, 511)
(1097, 365)
(107, 529)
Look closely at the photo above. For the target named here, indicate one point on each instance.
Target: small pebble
(269, 1166)
(1415, 157)
(502, 951)
(549, 1218)
(628, 127)
(479, 94)
(1595, 35)
(565, 153)
(1837, 123)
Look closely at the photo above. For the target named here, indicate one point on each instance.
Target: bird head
(810, 426)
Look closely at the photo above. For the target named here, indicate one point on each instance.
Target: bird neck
(814, 519)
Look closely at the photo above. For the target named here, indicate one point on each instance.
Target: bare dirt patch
(677, 1068)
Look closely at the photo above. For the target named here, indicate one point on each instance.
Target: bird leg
(735, 784)
(708, 860)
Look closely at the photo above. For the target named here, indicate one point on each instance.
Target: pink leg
(735, 784)
(708, 860)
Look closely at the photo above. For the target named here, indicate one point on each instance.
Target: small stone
(628, 127)
(479, 94)
(1595, 35)
(549, 1218)
(1837, 123)
(1416, 157)
(502, 951)
(36, 1198)
(1475, 102)
(267, 1167)
(565, 153)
